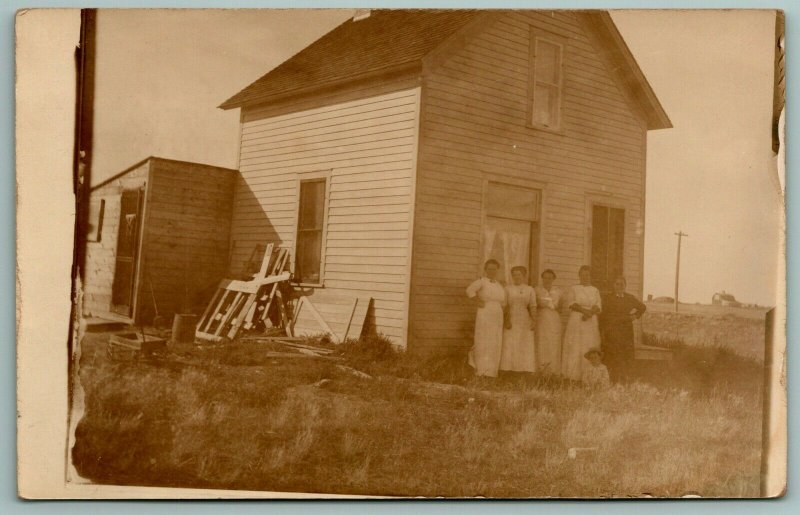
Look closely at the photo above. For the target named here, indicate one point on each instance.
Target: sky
(162, 74)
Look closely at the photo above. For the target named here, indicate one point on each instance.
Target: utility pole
(680, 235)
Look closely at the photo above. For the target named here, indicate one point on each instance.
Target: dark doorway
(122, 290)
(608, 244)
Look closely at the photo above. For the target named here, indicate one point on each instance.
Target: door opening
(608, 245)
(122, 289)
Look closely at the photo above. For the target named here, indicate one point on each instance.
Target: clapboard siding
(185, 235)
(101, 255)
(473, 128)
(364, 139)
(186, 238)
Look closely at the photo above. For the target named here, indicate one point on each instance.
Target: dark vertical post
(680, 235)
(769, 331)
(81, 179)
(84, 124)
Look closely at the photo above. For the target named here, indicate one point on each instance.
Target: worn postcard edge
(44, 260)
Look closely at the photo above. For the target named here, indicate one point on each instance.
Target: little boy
(595, 374)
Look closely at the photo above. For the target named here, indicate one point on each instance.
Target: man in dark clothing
(620, 309)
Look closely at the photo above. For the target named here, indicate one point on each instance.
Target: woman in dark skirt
(620, 309)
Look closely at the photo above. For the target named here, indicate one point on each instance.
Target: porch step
(103, 325)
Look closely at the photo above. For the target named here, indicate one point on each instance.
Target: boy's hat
(592, 351)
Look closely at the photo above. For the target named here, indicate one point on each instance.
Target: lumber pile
(239, 304)
(243, 304)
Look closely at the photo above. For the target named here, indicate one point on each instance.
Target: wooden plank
(280, 266)
(346, 332)
(208, 336)
(305, 302)
(359, 318)
(230, 312)
(241, 315)
(262, 272)
(282, 308)
(205, 325)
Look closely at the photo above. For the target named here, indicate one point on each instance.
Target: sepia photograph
(440, 253)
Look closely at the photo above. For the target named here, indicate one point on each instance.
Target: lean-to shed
(398, 152)
(158, 237)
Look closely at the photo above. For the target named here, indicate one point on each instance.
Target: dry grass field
(739, 329)
(237, 417)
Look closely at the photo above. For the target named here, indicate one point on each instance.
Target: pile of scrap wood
(243, 304)
(299, 345)
(240, 304)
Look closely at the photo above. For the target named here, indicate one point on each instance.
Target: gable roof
(385, 41)
(392, 40)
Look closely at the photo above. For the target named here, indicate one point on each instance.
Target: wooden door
(608, 245)
(122, 289)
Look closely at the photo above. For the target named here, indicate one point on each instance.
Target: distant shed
(158, 237)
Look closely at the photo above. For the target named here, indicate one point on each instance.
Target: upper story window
(546, 80)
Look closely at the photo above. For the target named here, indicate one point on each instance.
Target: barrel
(183, 328)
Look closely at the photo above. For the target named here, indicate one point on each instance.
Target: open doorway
(130, 215)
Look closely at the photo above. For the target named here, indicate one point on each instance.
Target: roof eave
(655, 115)
(389, 71)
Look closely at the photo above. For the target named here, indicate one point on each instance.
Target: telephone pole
(680, 235)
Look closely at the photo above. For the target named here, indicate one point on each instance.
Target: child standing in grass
(595, 374)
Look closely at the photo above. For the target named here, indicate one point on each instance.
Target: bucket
(183, 328)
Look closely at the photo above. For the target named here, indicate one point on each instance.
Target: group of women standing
(518, 327)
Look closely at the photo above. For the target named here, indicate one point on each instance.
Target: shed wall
(186, 235)
(474, 112)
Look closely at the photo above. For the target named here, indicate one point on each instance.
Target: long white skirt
(485, 354)
(579, 336)
(519, 352)
(548, 340)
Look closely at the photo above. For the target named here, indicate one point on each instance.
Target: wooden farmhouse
(398, 152)
(158, 239)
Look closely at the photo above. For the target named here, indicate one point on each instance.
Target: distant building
(662, 300)
(725, 299)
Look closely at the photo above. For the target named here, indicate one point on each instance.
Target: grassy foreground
(229, 417)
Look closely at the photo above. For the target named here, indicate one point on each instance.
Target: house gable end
(622, 65)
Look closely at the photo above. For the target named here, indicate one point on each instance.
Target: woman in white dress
(519, 352)
(548, 324)
(490, 298)
(582, 332)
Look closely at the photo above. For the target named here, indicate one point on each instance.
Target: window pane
(545, 105)
(542, 101)
(547, 61)
(309, 253)
(512, 202)
(509, 242)
(312, 204)
(309, 231)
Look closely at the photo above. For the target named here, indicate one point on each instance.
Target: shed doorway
(130, 215)
(511, 228)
